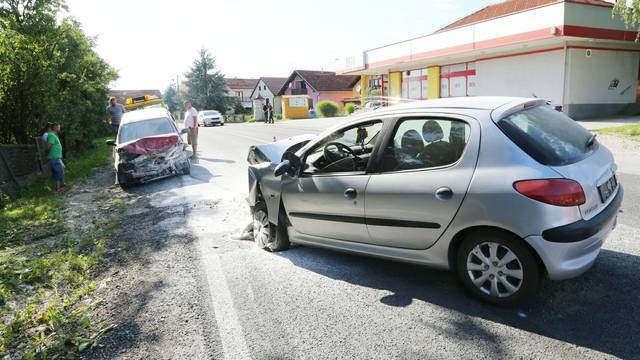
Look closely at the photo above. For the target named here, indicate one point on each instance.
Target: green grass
(632, 131)
(46, 268)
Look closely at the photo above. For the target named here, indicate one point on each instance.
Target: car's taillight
(559, 192)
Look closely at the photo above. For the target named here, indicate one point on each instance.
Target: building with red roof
(573, 53)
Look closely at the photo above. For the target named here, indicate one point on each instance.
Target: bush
(350, 108)
(328, 108)
(278, 116)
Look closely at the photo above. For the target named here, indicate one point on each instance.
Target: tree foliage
(49, 72)
(630, 13)
(172, 98)
(206, 86)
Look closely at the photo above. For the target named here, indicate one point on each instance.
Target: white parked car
(210, 118)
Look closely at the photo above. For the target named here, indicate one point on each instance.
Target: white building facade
(572, 53)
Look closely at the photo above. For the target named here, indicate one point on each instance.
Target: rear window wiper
(591, 140)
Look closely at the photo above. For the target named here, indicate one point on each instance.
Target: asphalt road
(308, 303)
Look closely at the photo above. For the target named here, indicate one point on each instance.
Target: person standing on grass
(54, 149)
(47, 130)
(115, 112)
(191, 122)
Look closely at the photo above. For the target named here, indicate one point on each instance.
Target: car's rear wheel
(266, 235)
(497, 267)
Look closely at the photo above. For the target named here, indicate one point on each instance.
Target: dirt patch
(152, 288)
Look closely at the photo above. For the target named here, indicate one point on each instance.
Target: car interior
(425, 143)
(347, 150)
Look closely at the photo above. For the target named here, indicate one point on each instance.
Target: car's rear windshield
(548, 136)
(140, 129)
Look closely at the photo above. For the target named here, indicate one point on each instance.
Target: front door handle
(350, 193)
(444, 193)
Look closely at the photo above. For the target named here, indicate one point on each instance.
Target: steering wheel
(343, 152)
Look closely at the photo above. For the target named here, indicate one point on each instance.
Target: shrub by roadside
(47, 259)
(328, 108)
(349, 108)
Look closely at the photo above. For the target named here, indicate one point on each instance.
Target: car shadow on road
(599, 310)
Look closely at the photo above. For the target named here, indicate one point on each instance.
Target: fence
(21, 164)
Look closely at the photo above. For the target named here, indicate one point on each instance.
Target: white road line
(234, 345)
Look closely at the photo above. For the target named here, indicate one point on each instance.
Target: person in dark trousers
(54, 154)
(115, 112)
(268, 112)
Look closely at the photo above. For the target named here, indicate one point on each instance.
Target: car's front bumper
(565, 259)
(213, 121)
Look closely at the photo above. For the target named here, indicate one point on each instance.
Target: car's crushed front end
(151, 158)
(262, 161)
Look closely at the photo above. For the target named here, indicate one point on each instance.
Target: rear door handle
(444, 193)
(350, 193)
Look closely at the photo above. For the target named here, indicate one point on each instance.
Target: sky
(151, 42)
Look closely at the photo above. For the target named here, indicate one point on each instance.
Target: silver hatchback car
(504, 191)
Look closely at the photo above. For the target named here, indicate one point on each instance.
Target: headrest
(431, 131)
(411, 139)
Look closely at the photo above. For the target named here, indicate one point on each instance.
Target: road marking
(234, 345)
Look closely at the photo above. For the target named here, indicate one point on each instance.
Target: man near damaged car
(191, 122)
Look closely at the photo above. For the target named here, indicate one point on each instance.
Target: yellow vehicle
(143, 102)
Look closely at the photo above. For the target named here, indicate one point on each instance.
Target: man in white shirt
(191, 122)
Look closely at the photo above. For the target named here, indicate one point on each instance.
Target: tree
(49, 72)
(206, 87)
(630, 13)
(172, 98)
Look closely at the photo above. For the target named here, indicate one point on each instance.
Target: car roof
(470, 102)
(144, 114)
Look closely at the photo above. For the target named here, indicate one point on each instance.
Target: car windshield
(548, 136)
(146, 128)
(210, 113)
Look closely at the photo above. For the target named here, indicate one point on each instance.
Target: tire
(267, 235)
(186, 169)
(497, 282)
(122, 181)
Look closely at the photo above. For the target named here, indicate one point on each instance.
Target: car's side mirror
(282, 168)
(184, 131)
(111, 142)
(290, 164)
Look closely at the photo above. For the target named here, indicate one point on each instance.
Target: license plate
(608, 188)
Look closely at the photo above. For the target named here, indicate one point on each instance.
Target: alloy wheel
(261, 228)
(495, 269)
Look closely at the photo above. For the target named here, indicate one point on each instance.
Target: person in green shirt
(54, 148)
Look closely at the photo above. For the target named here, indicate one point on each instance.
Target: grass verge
(46, 267)
(632, 131)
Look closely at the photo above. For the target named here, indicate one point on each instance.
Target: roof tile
(513, 6)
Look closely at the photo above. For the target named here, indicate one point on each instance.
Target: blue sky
(150, 42)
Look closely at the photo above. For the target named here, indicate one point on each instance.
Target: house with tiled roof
(573, 53)
(241, 89)
(322, 85)
(267, 90)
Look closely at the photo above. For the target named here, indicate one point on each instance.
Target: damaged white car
(149, 147)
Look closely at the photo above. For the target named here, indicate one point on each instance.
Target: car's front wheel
(122, 180)
(497, 267)
(267, 235)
